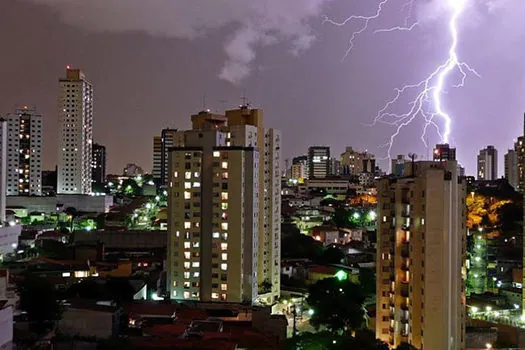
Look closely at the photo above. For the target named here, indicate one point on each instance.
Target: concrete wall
(9, 239)
(125, 239)
(6, 328)
(87, 323)
(41, 204)
(98, 204)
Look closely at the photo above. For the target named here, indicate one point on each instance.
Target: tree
(367, 280)
(340, 217)
(39, 299)
(265, 286)
(55, 250)
(115, 343)
(405, 346)
(364, 340)
(333, 255)
(301, 246)
(337, 304)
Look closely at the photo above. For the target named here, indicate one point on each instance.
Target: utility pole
(294, 313)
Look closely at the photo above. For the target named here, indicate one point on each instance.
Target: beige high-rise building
(235, 144)
(355, 162)
(161, 145)
(75, 133)
(421, 257)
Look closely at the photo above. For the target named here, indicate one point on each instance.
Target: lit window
(177, 234)
(225, 175)
(384, 218)
(187, 255)
(224, 225)
(224, 267)
(66, 274)
(175, 174)
(186, 295)
(187, 195)
(186, 274)
(215, 234)
(224, 165)
(81, 274)
(224, 215)
(196, 174)
(187, 175)
(224, 206)
(224, 286)
(187, 185)
(195, 244)
(196, 184)
(195, 264)
(224, 256)
(187, 245)
(224, 246)
(216, 154)
(223, 297)
(224, 196)
(196, 274)
(187, 265)
(187, 224)
(174, 293)
(224, 235)
(422, 221)
(215, 295)
(186, 285)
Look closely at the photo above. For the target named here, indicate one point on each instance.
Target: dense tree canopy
(337, 305)
(39, 299)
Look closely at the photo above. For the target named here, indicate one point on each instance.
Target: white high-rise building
(75, 133)
(421, 257)
(511, 168)
(488, 164)
(24, 132)
(228, 184)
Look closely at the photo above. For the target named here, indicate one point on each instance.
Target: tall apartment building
(511, 168)
(75, 133)
(98, 164)
(161, 145)
(335, 167)
(3, 169)
(355, 162)
(299, 168)
(237, 154)
(488, 164)
(444, 152)
(24, 132)
(519, 148)
(421, 256)
(318, 162)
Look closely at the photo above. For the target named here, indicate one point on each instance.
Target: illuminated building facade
(75, 133)
(488, 164)
(24, 132)
(318, 162)
(421, 256)
(237, 154)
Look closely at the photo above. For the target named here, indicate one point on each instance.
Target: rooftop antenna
(413, 158)
(244, 99)
(204, 102)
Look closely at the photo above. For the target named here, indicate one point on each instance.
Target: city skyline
(144, 69)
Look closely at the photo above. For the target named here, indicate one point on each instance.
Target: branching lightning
(427, 103)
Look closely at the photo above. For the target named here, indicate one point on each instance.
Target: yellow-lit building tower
(269, 146)
(421, 257)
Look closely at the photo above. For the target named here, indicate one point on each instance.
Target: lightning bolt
(427, 103)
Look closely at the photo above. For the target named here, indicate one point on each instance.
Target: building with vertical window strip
(224, 210)
(24, 132)
(75, 133)
(421, 256)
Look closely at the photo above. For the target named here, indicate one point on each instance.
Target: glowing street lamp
(341, 275)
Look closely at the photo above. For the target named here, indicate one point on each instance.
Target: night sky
(152, 61)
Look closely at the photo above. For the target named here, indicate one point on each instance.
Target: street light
(310, 312)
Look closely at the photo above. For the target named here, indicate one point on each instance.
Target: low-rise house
(90, 319)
